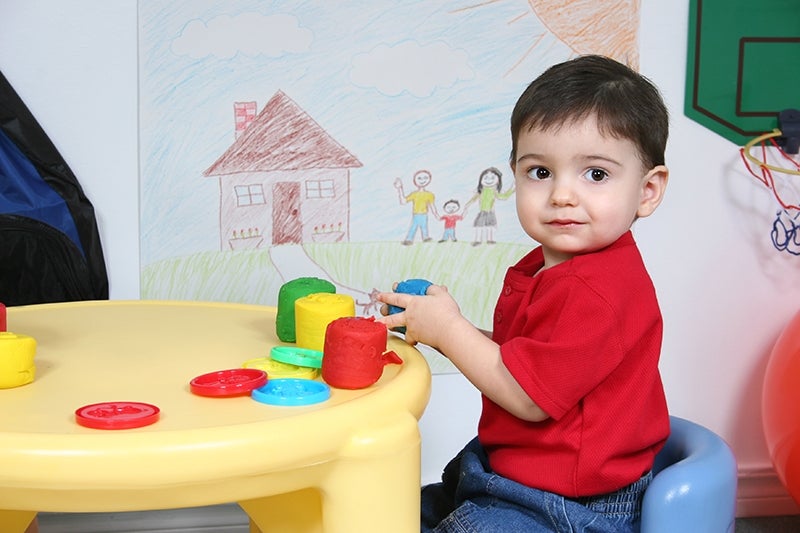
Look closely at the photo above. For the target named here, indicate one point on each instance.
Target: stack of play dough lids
(276, 369)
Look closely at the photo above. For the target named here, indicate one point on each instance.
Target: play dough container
(418, 287)
(16, 359)
(355, 353)
(314, 312)
(288, 295)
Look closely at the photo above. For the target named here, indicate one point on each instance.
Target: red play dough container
(355, 353)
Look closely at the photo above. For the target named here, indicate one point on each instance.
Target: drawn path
(292, 262)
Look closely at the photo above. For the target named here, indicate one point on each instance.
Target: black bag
(50, 248)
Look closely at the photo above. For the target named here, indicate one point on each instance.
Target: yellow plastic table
(349, 464)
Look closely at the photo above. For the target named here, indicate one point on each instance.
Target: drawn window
(319, 189)
(249, 195)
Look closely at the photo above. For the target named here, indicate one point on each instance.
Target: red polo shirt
(583, 339)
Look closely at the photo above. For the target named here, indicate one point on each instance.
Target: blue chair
(694, 483)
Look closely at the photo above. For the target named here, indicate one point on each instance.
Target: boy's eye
(596, 175)
(538, 173)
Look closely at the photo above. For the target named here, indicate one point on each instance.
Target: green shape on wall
(742, 66)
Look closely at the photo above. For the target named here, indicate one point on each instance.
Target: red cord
(766, 175)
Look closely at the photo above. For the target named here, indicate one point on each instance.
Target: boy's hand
(436, 320)
(426, 318)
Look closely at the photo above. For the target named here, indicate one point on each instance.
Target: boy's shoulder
(618, 267)
(617, 272)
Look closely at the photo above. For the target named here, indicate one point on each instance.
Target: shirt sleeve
(568, 344)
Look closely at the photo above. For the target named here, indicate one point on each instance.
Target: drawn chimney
(244, 113)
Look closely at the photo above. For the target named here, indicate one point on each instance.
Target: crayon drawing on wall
(360, 142)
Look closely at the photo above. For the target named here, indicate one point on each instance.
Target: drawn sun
(608, 28)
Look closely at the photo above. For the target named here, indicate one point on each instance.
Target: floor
(772, 524)
(230, 518)
(227, 518)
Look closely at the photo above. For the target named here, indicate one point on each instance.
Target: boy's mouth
(563, 223)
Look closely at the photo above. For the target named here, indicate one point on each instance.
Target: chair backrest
(694, 483)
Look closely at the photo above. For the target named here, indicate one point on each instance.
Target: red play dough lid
(117, 415)
(232, 382)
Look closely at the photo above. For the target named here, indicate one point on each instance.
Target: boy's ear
(653, 186)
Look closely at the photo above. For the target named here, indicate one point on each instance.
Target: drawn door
(286, 224)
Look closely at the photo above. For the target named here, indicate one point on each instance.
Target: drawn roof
(282, 137)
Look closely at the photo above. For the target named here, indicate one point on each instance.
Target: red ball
(780, 407)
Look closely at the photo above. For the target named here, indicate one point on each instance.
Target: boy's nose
(562, 193)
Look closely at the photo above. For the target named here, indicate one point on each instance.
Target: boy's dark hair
(452, 201)
(626, 104)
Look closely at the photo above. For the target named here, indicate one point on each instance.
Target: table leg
(375, 484)
(16, 521)
(293, 512)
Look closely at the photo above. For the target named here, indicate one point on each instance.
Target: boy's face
(578, 191)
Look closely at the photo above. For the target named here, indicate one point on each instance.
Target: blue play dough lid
(292, 392)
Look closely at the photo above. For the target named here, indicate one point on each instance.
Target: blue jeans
(420, 222)
(449, 234)
(472, 498)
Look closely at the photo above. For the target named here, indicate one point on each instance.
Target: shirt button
(498, 317)
(507, 290)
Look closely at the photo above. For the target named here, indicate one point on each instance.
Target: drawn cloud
(251, 34)
(410, 67)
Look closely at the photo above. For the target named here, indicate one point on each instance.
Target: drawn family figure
(450, 217)
(422, 202)
(490, 187)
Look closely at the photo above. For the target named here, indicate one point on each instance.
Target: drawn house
(284, 180)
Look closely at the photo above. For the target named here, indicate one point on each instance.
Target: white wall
(725, 291)
(75, 66)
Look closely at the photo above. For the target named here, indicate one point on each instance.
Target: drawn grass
(473, 275)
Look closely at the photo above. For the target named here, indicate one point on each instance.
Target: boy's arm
(436, 320)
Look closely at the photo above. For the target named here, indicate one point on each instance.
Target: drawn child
(450, 218)
(490, 183)
(573, 405)
(422, 201)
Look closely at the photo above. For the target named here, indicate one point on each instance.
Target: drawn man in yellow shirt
(421, 201)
